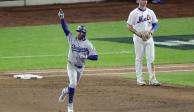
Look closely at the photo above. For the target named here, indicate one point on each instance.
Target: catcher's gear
(146, 35)
(61, 14)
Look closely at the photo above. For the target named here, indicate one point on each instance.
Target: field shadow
(182, 42)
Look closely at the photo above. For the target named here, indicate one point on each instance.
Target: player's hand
(83, 56)
(61, 14)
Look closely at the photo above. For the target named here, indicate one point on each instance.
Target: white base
(27, 76)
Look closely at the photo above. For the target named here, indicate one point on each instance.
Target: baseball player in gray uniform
(80, 49)
(143, 23)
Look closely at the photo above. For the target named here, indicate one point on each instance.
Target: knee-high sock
(71, 94)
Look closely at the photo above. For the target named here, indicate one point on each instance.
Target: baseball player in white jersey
(143, 22)
(80, 49)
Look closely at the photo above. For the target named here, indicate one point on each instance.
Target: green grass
(45, 47)
(174, 78)
(181, 26)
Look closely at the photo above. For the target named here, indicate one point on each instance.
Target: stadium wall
(10, 3)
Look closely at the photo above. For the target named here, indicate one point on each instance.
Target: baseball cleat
(141, 83)
(70, 107)
(154, 83)
(64, 93)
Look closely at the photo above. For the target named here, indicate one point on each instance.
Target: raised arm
(63, 22)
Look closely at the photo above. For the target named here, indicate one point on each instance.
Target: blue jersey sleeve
(154, 27)
(65, 27)
(93, 57)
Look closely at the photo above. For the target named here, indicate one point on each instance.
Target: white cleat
(70, 107)
(154, 83)
(64, 93)
(141, 83)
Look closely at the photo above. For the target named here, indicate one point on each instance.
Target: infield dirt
(96, 92)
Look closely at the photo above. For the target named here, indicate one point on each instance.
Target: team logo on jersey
(142, 19)
(78, 49)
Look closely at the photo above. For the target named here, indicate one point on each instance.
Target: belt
(78, 66)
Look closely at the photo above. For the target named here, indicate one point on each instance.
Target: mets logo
(142, 19)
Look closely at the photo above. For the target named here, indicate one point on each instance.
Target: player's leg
(71, 71)
(150, 57)
(75, 78)
(79, 74)
(139, 52)
(65, 91)
(72, 74)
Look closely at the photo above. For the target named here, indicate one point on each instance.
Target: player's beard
(81, 37)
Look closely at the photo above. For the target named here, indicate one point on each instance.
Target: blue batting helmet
(81, 28)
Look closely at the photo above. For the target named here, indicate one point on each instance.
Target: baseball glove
(146, 35)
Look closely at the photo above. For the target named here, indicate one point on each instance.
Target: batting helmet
(81, 28)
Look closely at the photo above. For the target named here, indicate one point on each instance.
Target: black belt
(78, 66)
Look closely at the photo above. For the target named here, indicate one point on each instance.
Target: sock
(71, 94)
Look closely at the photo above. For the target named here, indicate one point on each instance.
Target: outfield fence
(10, 3)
